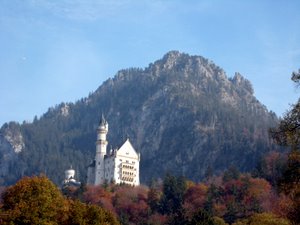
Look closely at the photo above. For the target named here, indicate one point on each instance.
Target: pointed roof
(102, 122)
(127, 150)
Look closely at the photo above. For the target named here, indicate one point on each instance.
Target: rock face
(11, 143)
(181, 112)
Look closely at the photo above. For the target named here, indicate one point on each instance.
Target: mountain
(181, 112)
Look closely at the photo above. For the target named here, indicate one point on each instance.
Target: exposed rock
(182, 113)
(12, 134)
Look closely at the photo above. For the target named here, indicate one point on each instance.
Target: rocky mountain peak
(182, 113)
(182, 65)
(171, 57)
(242, 82)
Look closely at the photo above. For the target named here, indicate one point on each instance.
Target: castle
(118, 166)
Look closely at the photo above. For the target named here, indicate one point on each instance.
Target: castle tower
(101, 145)
(70, 178)
(70, 174)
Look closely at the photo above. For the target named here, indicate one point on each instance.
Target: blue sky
(60, 51)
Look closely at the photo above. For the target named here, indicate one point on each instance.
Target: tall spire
(102, 120)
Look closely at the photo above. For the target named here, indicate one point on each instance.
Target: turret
(69, 174)
(101, 145)
(70, 178)
(102, 129)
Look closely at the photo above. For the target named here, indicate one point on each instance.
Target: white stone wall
(122, 166)
(101, 145)
(128, 160)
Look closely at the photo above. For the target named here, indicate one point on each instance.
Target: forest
(269, 195)
(182, 119)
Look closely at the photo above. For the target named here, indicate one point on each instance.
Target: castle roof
(102, 122)
(127, 150)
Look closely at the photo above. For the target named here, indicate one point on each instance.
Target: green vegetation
(182, 113)
(269, 195)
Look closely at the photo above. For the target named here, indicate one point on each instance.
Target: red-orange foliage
(231, 199)
(261, 190)
(99, 196)
(2, 190)
(132, 202)
(282, 206)
(194, 199)
(157, 219)
(242, 197)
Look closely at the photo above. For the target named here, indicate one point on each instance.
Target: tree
(37, 201)
(98, 196)
(271, 167)
(263, 219)
(194, 199)
(290, 185)
(290, 180)
(82, 214)
(219, 221)
(231, 173)
(131, 204)
(173, 192)
(172, 199)
(154, 196)
(288, 134)
(296, 77)
(202, 218)
(288, 131)
(33, 201)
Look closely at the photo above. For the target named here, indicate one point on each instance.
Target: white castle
(118, 166)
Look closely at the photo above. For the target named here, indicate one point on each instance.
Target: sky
(54, 51)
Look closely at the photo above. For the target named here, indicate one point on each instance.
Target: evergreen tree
(173, 193)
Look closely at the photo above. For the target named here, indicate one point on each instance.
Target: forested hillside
(181, 112)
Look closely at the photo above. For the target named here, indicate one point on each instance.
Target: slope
(181, 112)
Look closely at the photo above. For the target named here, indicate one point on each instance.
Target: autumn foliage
(37, 201)
(226, 199)
(231, 198)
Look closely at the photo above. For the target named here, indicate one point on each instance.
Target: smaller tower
(101, 145)
(70, 178)
(69, 174)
